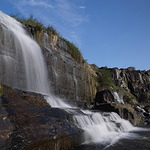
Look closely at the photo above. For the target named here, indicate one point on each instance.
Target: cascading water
(22, 60)
(20, 53)
(116, 96)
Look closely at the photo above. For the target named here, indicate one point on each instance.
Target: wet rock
(106, 101)
(28, 122)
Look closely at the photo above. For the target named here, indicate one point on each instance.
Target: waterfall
(102, 127)
(117, 97)
(23, 66)
(21, 58)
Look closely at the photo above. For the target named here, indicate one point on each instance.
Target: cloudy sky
(112, 33)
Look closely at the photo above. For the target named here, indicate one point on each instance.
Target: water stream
(22, 59)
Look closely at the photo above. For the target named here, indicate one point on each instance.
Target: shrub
(105, 78)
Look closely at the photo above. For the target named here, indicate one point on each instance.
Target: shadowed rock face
(68, 78)
(106, 101)
(27, 121)
(135, 81)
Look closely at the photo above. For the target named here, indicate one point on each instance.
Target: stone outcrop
(133, 88)
(135, 81)
(68, 78)
(28, 122)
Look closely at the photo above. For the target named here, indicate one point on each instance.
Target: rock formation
(132, 87)
(28, 122)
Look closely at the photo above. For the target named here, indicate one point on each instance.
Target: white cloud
(68, 11)
(35, 3)
(82, 7)
(65, 15)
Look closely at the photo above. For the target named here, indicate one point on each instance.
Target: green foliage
(38, 26)
(52, 30)
(31, 21)
(105, 78)
(74, 51)
(1, 90)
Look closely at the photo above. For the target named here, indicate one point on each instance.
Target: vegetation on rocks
(105, 81)
(31, 21)
(38, 26)
(105, 78)
(74, 51)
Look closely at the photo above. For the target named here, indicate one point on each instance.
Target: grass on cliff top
(74, 51)
(31, 21)
(38, 26)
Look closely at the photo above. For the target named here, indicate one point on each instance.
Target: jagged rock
(28, 122)
(135, 81)
(106, 101)
(68, 78)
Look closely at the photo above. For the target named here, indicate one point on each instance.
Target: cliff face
(134, 81)
(69, 78)
(126, 91)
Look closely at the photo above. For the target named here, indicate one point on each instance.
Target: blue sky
(112, 33)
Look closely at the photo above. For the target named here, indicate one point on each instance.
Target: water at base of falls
(100, 128)
(22, 53)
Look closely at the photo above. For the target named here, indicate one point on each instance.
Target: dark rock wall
(135, 81)
(106, 101)
(28, 122)
(68, 78)
(132, 87)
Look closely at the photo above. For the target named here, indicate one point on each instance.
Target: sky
(112, 33)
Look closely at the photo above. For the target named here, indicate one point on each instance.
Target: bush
(105, 78)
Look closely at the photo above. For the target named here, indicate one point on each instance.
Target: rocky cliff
(126, 91)
(28, 122)
(70, 77)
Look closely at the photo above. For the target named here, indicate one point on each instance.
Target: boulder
(28, 122)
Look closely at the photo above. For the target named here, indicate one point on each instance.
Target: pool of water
(135, 140)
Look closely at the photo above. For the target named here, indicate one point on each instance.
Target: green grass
(38, 26)
(52, 30)
(74, 51)
(31, 21)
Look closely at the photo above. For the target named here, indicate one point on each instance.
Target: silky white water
(22, 53)
(116, 96)
(23, 66)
